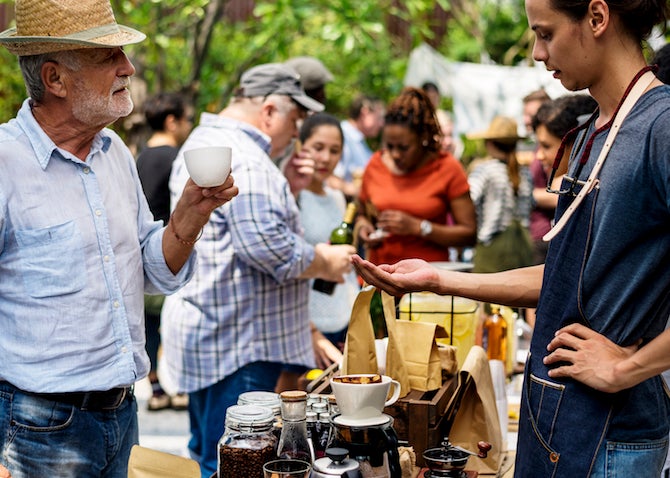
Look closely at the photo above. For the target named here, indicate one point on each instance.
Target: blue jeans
(39, 437)
(624, 460)
(207, 409)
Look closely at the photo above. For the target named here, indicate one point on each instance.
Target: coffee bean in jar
(247, 442)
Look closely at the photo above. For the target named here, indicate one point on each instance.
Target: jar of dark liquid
(247, 442)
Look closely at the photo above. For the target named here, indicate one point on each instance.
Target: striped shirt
(245, 302)
(492, 193)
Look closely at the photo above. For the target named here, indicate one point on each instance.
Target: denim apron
(557, 416)
(563, 423)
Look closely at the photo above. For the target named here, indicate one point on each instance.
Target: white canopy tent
(479, 91)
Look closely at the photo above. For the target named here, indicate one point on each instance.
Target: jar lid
(248, 415)
(261, 398)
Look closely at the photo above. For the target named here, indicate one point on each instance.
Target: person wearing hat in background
(78, 247)
(314, 76)
(501, 191)
(245, 314)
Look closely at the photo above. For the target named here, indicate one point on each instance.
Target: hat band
(95, 32)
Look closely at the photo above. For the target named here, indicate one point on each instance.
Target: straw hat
(44, 26)
(502, 128)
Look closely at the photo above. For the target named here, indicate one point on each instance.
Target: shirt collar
(43, 145)
(256, 135)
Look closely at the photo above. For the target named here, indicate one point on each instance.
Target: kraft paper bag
(148, 463)
(422, 357)
(476, 418)
(360, 355)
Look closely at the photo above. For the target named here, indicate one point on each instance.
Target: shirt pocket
(51, 263)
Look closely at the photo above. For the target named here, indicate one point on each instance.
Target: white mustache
(123, 84)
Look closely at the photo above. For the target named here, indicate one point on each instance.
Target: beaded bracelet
(182, 241)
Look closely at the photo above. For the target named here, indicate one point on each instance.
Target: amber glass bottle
(495, 335)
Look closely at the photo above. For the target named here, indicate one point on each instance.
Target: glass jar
(247, 442)
(264, 399)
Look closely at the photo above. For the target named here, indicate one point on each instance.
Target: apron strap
(635, 94)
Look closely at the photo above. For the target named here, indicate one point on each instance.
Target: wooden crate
(419, 417)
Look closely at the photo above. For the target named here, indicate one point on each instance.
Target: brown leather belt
(90, 401)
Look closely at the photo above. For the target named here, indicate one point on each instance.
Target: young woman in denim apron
(593, 404)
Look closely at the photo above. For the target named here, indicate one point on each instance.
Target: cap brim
(308, 103)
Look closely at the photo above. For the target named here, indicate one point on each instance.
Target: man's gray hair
(31, 69)
(284, 103)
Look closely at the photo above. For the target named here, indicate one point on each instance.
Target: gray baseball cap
(277, 79)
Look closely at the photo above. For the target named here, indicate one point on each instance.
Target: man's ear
(268, 110)
(52, 77)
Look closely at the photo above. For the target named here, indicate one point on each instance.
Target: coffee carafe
(373, 444)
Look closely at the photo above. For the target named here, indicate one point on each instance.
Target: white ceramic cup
(208, 166)
(361, 401)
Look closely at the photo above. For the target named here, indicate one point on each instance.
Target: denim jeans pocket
(35, 414)
(641, 460)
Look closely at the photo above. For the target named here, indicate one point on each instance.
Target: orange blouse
(425, 193)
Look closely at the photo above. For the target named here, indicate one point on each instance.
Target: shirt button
(87, 170)
(124, 349)
(105, 258)
(116, 304)
(98, 212)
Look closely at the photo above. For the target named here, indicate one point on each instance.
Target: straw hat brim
(36, 45)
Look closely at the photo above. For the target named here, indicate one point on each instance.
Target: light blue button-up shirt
(78, 249)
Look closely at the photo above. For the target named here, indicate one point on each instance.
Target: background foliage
(195, 46)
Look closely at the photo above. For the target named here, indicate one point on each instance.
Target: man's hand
(410, 275)
(591, 358)
(299, 170)
(325, 353)
(4, 472)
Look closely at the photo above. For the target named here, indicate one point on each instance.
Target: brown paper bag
(422, 357)
(476, 417)
(148, 463)
(359, 348)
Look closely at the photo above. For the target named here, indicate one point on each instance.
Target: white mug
(361, 401)
(208, 166)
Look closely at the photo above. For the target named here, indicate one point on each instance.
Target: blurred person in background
(314, 76)
(501, 190)
(411, 187)
(321, 210)
(550, 124)
(170, 118)
(365, 121)
(449, 144)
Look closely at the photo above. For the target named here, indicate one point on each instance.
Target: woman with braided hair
(414, 199)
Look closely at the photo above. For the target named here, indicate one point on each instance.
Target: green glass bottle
(342, 234)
